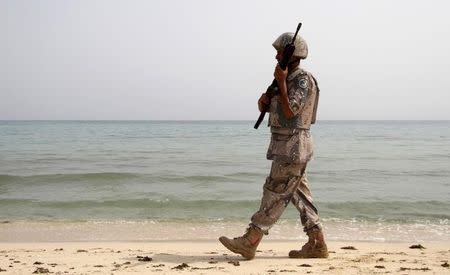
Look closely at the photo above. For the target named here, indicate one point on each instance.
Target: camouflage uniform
(290, 149)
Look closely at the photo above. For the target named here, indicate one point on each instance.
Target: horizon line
(181, 120)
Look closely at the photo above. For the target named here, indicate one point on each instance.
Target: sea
(165, 180)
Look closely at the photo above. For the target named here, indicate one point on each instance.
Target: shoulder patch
(303, 83)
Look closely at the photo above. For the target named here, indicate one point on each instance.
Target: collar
(294, 73)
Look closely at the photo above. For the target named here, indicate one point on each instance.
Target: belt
(287, 131)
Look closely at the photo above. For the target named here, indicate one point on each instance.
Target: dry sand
(209, 257)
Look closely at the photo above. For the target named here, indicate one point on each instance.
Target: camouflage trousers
(286, 183)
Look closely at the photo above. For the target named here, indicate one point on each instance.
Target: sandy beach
(209, 257)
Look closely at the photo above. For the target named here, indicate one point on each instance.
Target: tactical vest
(310, 99)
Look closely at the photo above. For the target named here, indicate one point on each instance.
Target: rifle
(272, 90)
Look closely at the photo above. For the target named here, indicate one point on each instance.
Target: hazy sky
(212, 59)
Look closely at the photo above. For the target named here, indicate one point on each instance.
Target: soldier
(292, 111)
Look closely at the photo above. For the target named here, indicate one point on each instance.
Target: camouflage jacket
(291, 140)
(303, 96)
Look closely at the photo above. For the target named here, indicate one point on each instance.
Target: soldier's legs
(278, 191)
(303, 201)
(315, 247)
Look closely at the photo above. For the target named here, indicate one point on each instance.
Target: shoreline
(146, 231)
(168, 257)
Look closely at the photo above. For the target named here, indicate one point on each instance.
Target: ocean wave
(131, 203)
(246, 174)
(175, 208)
(7, 178)
(196, 179)
(389, 210)
(93, 178)
(50, 178)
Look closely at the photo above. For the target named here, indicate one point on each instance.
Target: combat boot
(245, 245)
(314, 248)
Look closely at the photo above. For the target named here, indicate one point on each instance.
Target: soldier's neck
(293, 66)
(293, 69)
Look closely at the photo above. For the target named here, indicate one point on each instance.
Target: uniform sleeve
(298, 94)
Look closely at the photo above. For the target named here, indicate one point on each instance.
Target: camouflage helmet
(301, 48)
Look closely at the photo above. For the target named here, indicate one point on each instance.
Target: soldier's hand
(280, 74)
(263, 101)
